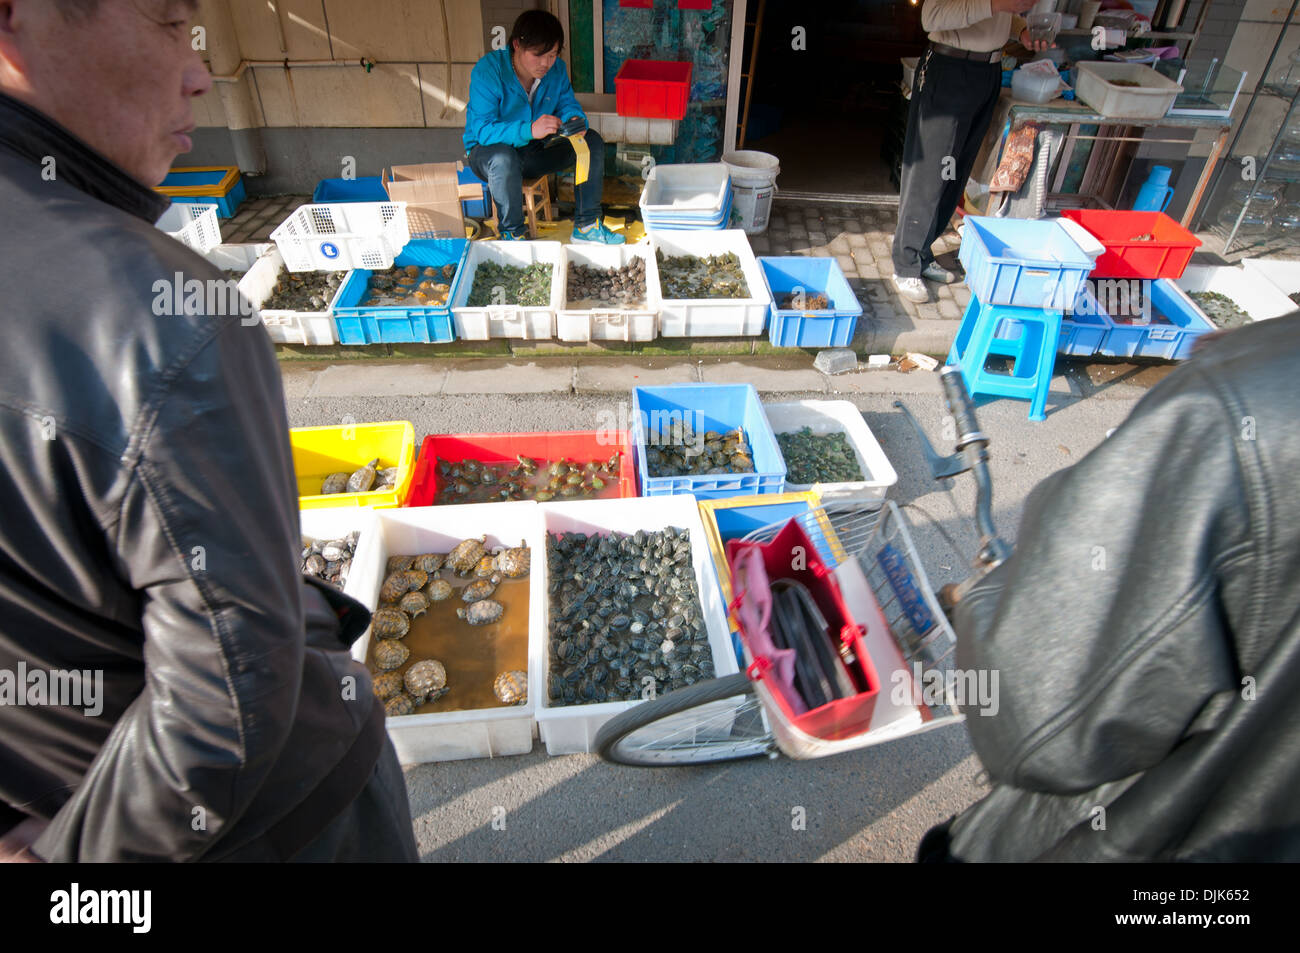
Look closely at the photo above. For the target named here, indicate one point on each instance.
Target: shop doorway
(826, 99)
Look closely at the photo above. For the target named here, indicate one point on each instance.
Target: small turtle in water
(426, 680)
(485, 567)
(363, 479)
(415, 579)
(390, 654)
(483, 612)
(511, 687)
(514, 562)
(480, 589)
(414, 603)
(393, 587)
(429, 562)
(334, 483)
(466, 555)
(390, 623)
(400, 704)
(387, 685)
(399, 563)
(438, 590)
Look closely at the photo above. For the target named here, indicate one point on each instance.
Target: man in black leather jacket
(1147, 633)
(148, 507)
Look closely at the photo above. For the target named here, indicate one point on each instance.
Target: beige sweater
(969, 24)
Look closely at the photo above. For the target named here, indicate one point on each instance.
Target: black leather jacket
(1147, 632)
(149, 531)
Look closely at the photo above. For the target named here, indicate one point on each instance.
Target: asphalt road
(870, 805)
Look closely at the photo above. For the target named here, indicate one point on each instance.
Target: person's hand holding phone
(544, 126)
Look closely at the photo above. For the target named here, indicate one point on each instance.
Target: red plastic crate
(652, 89)
(641, 4)
(694, 4)
(579, 446)
(1166, 256)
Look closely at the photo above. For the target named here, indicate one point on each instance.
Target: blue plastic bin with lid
(1022, 263)
(222, 186)
(365, 189)
(356, 324)
(826, 327)
(705, 407)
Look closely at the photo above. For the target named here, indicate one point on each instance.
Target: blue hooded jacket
(499, 111)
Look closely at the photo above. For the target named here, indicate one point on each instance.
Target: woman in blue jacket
(517, 97)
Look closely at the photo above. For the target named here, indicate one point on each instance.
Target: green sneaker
(598, 233)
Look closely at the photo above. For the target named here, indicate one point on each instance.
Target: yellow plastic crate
(774, 502)
(320, 451)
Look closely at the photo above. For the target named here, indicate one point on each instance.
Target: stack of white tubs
(687, 197)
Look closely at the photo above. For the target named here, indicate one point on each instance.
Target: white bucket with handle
(753, 186)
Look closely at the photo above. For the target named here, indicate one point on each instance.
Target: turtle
(400, 704)
(480, 589)
(364, 478)
(388, 622)
(425, 679)
(483, 612)
(399, 563)
(393, 587)
(429, 562)
(466, 555)
(387, 476)
(387, 684)
(511, 687)
(415, 579)
(514, 562)
(334, 483)
(439, 589)
(414, 603)
(390, 654)
(485, 567)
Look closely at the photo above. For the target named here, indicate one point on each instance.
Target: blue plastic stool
(1026, 335)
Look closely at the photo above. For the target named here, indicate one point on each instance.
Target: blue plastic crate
(474, 208)
(369, 188)
(828, 327)
(1082, 330)
(226, 204)
(1170, 342)
(1022, 263)
(358, 325)
(706, 407)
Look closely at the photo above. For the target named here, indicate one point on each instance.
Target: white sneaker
(913, 289)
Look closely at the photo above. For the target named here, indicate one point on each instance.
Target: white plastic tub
(1151, 99)
(1282, 273)
(572, 729)
(287, 327)
(456, 735)
(236, 257)
(714, 317)
(1260, 299)
(694, 190)
(837, 416)
(338, 237)
(508, 320)
(192, 225)
(337, 522)
(611, 324)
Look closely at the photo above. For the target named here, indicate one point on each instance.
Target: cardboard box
(432, 194)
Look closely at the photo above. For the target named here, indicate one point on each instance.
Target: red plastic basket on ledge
(1129, 253)
(652, 89)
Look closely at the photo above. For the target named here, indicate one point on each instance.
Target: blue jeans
(504, 168)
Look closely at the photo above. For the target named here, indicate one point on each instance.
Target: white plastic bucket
(753, 184)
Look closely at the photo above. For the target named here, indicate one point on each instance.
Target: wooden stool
(537, 205)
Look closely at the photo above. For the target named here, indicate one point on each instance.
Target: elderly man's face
(122, 78)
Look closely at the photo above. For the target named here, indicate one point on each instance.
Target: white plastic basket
(529, 322)
(611, 324)
(695, 191)
(287, 327)
(1150, 99)
(837, 416)
(343, 236)
(194, 225)
(472, 733)
(572, 729)
(602, 116)
(714, 317)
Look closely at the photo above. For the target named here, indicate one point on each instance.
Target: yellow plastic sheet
(584, 159)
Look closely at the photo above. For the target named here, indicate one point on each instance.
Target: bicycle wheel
(718, 720)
